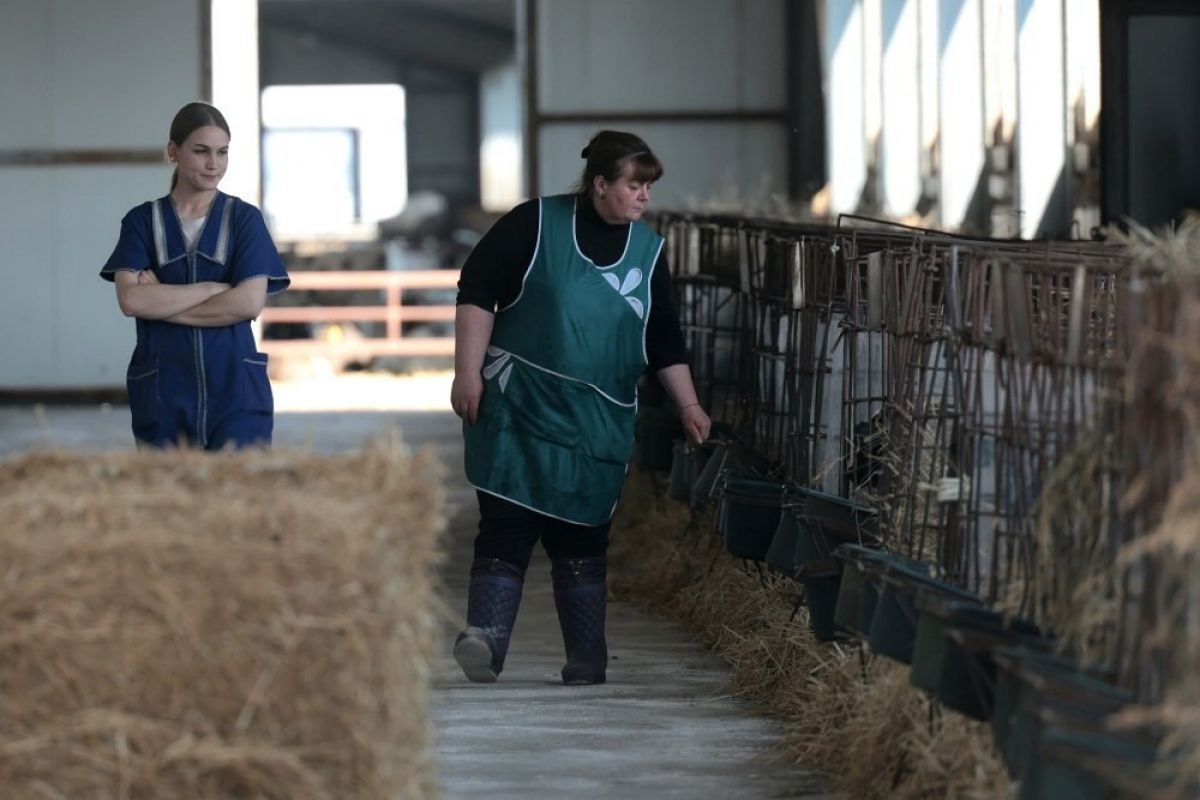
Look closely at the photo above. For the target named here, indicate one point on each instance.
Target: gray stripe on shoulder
(223, 234)
(160, 232)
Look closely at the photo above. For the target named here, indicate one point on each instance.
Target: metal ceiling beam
(398, 57)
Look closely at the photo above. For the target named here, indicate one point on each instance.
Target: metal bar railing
(396, 315)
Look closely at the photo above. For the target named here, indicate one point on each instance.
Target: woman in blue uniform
(194, 268)
(563, 305)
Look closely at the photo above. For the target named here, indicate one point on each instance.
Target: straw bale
(181, 624)
(847, 713)
(1076, 580)
(1163, 561)
(1173, 249)
(1170, 639)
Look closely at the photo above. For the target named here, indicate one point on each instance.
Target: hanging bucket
(725, 460)
(792, 537)
(1074, 764)
(966, 677)
(894, 627)
(657, 433)
(937, 614)
(1034, 694)
(687, 463)
(841, 518)
(1037, 713)
(812, 544)
(1019, 670)
(750, 509)
(821, 580)
(854, 560)
(781, 553)
(873, 570)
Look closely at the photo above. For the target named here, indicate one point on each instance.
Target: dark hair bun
(584, 152)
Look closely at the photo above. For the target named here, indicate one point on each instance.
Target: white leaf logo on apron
(633, 279)
(501, 363)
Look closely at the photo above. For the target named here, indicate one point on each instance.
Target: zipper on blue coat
(198, 361)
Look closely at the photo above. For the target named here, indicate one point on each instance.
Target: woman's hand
(696, 424)
(465, 394)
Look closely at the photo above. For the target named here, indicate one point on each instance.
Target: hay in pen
(848, 713)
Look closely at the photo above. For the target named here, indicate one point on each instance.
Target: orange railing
(392, 312)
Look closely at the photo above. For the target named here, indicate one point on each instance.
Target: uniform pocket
(141, 381)
(256, 387)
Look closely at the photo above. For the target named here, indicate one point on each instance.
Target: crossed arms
(202, 305)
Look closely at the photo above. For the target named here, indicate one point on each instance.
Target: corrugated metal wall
(87, 91)
(703, 81)
(974, 115)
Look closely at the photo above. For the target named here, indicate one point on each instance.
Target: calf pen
(975, 458)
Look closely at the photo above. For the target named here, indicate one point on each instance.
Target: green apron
(556, 422)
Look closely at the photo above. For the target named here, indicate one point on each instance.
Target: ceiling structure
(468, 36)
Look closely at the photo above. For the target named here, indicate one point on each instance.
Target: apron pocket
(256, 387)
(566, 413)
(141, 382)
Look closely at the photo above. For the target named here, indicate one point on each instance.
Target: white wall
(704, 163)
(1042, 117)
(960, 117)
(901, 167)
(667, 56)
(235, 60)
(845, 99)
(80, 75)
(501, 167)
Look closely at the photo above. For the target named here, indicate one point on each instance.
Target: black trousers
(509, 532)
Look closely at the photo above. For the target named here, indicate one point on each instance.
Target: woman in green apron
(562, 307)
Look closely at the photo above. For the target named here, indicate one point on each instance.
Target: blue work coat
(206, 387)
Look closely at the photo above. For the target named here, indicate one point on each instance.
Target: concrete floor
(661, 727)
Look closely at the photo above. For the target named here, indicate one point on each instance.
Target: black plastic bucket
(842, 518)
(812, 544)
(1020, 669)
(821, 580)
(1074, 764)
(686, 465)
(894, 627)
(1027, 694)
(750, 509)
(726, 460)
(781, 555)
(967, 677)
(855, 559)
(657, 433)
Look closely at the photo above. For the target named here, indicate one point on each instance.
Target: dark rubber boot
(581, 597)
(493, 597)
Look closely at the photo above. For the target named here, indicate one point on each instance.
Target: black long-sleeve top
(491, 277)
